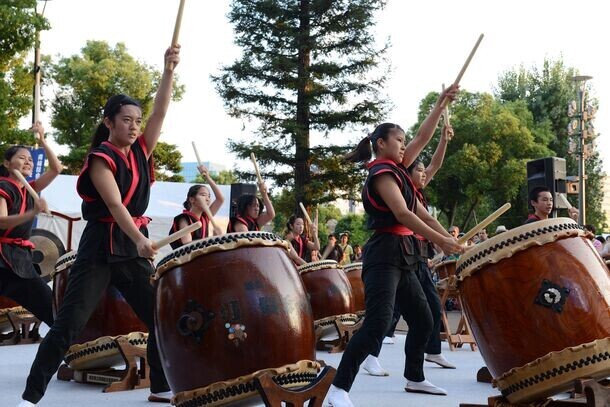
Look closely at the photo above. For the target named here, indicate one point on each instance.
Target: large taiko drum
(353, 271)
(538, 302)
(227, 308)
(445, 269)
(112, 317)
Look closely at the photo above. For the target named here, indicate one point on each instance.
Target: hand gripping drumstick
(258, 173)
(305, 213)
(27, 186)
(177, 235)
(459, 77)
(483, 224)
(206, 209)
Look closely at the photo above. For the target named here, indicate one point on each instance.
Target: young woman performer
(197, 196)
(114, 248)
(391, 256)
(250, 215)
(18, 277)
(300, 243)
(541, 201)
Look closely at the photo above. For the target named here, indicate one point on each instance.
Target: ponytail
(101, 134)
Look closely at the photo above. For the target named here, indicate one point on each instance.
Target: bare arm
(162, 98)
(104, 183)
(218, 197)
(315, 245)
(387, 188)
(429, 220)
(54, 164)
(426, 130)
(240, 227)
(188, 238)
(10, 221)
(269, 213)
(295, 257)
(439, 154)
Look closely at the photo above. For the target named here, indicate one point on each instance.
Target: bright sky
(430, 41)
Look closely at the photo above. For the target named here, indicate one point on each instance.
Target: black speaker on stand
(548, 172)
(238, 190)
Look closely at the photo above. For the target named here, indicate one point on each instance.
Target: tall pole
(581, 83)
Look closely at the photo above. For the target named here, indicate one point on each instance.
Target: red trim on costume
(6, 196)
(533, 216)
(142, 143)
(17, 241)
(108, 160)
(16, 183)
(397, 229)
(135, 178)
(375, 204)
(117, 150)
(381, 161)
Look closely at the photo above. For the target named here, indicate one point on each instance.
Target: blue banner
(38, 158)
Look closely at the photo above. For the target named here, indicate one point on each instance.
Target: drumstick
(27, 186)
(484, 223)
(196, 153)
(178, 23)
(206, 209)
(37, 86)
(564, 200)
(446, 111)
(459, 77)
(177, 235)
(258, 173)
(305, 213)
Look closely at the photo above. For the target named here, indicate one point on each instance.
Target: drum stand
(463, 335)
(130, 378)
(274, 395)
(587, 393)
(25, 329)
(344, 331)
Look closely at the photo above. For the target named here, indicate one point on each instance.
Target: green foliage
(356, 226)
(167, 162)
(221, 178)
(305, 66)
(84, 83)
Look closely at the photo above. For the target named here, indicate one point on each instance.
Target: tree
(20, 25)
(547, 93)
(167, 162)
(221, 178)
(84, 83)
(356, 226)
(307, 66)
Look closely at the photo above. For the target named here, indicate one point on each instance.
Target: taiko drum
(353, 271)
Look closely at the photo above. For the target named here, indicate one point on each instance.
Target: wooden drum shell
(353, 272)
(255, 290)
(329, 291)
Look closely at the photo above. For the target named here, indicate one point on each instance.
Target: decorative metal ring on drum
(354, 275)
(330, 294)
(103, 352)
(538, 298)
(112, 317)
(226, 309)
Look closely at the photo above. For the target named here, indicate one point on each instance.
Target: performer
(391, 256)
(197, 196)
(302, 246)
(250, 215)
(114, 248)
(541, 201)
(18, 277)
(332, 251)
(420, 176)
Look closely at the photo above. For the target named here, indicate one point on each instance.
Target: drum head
(49, 248)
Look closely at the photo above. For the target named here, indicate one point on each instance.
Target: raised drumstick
(484, 223)
(177, 235)
(459, 76)
(305, 213)
(178, 23)
(27, 186)
(446, 111)
(256, 170)
(206, 208)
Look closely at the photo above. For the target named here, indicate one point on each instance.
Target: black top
(246, 220)
(190, 218)
(299, 243)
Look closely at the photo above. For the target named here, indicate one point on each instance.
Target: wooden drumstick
(484, 223)
(206, 208)
(459, 77)
(177, 235)
(27, 186)
(305, 213)
(561, 197)
(178, 24)
(256, 170)
(37, 86)
(196, 153)
(446, 111)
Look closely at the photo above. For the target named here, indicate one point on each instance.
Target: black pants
(434, 301)
(86, 285)
(383, 283)
(31, 293)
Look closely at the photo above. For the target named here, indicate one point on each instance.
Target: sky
(430, 41)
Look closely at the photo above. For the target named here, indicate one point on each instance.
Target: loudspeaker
(238, 190)
(548, 172)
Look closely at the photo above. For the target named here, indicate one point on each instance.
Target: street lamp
(582, 134)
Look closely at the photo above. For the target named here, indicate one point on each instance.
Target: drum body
(538, 302)
(328, 289)
(445, 269)
(6, 302)
(226, 307)
(353, 271)
(112, 317)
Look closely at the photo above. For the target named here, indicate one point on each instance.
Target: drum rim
(246, 383)
(349, 317)
(104, 346)
(521, 383)
(64, 262)
(318, 265)
(226, 242)
(515, 240)
(352, 266)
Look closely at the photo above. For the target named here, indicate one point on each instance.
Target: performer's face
(203, 195)
(20, 161)
(298, 226)
(394, 147)
(418, 175)
(544, 203)
(252, 209)
(125, 126)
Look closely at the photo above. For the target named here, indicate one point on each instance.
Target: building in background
(606, 201)
(189, 170)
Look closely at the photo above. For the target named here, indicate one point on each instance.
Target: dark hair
(332, 235)
(536, 191)
(291, 220)
(601, 239)
(8, 155)
(414, 164)
(111, 109)
(363, 152)
(193, 191)
(590, 228)
(247, 199)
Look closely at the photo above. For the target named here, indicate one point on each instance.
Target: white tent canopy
(166, 200)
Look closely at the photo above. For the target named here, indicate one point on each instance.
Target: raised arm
(426, 130)
(162, 98)
(218, 197)
(315, 245)
(54, 164)
(269, 213)
(439, 154)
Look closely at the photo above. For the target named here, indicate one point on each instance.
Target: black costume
(250, 223)
(190, 218)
